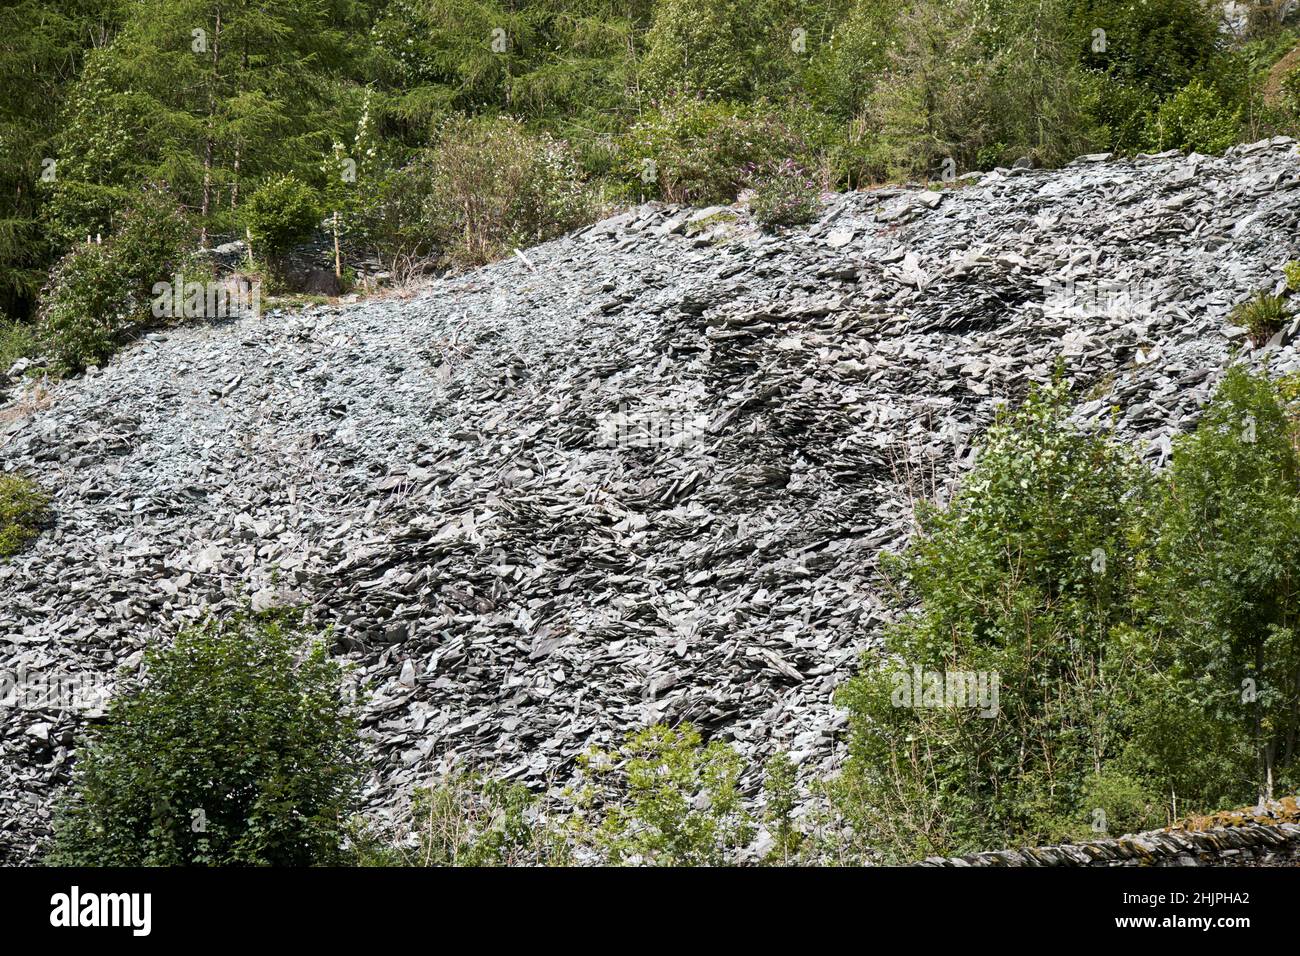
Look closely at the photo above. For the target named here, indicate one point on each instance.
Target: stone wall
(1253, 844)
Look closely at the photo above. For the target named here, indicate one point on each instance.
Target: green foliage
(1026, 575)
(1124, 113)
(699, 152)
(1224, 595)
(781, 790)
(1193, 119)
(979, 83)
(1158, 45)
(1262, 316)
(235, 748)
(1291, 271)
(466, 819)
(668, 800)
(1165, 675)
(844, 69)
(257, 94)
(116, 95)
(24, 510)
(703, 47)
(82, 316)
(99, 293)
(487, 186)
(40, 55)
(1116, 803)
(17, 340)
(281, 213)
(784, 196)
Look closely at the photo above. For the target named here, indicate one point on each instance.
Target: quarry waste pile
(640, 473)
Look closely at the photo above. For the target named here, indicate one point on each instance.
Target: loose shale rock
(642, 472)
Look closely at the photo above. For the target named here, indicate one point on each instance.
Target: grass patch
(1262, 317)
(297, 300)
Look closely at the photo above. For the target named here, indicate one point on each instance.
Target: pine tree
(205, 97)
(42, 43)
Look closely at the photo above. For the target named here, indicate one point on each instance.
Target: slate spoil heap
(642, 472)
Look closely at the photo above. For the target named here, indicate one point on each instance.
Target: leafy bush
(235, 748)
(1161, 675)
(1193, 119)
(281, 213)
(1025, 578)
(98, 293)
(1224, 599)
(84, 308)
(845, 66)
(17, 340)
(668, 800)
(1289, 92)
(485, 187)
(1262, 316)
(24, 509)
(1116, 803)
(784, 196)
(695, 152)
(1124, 113)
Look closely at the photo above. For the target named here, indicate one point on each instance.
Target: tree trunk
(208, 137)
(234, 186)
(338, 260)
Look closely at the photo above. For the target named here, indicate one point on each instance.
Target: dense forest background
(441, 131)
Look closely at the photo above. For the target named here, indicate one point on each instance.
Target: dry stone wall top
(1254, 844)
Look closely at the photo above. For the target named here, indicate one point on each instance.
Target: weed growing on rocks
(784, 196)
(1262, 316)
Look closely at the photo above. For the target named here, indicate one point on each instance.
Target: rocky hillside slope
(639, 473)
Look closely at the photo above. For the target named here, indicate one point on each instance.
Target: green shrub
(781, 790)
(281, 213)
(485, 187)
(24, 510)
(1158, 45)
(1262, 316)
(1125, 112)
(845, 67)
(235, 748)
(668, 800)
(1193, 119)
(84, 308)
(99, 293)
(17, 340)
(1290, 92)
(784, 195)
(1224, 603)
(694, 152)
(1025, 578)
(1115, 803)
